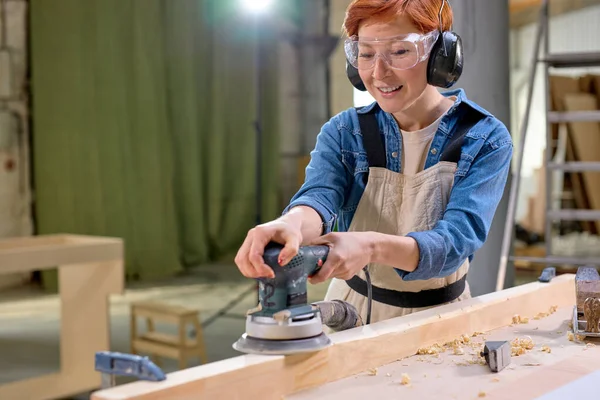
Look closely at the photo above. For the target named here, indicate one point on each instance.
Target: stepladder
(573, 127)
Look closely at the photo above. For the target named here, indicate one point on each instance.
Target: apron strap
(452, 151)
(372, 141)
(424, 298)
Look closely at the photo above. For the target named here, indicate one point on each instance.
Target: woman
(412, 180)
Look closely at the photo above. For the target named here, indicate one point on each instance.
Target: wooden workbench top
(556, 359)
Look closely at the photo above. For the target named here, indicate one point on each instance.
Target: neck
(427, 108)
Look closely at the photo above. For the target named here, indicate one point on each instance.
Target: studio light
(257, 6)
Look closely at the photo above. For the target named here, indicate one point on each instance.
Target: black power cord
(369, 293)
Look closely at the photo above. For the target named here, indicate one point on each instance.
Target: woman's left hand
(349, 252)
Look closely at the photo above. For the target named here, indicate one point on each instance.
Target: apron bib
(396, 204)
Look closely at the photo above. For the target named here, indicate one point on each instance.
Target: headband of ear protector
(444, 66)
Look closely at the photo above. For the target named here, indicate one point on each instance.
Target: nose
(381, 68)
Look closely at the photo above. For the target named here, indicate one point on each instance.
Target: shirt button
(434, 151)
(395, 154)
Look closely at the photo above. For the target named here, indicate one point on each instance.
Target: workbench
(90, 269)
(417, 356)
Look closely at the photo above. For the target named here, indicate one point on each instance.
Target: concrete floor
(30, 319)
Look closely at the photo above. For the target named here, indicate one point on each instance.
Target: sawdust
(551, 311)
(517, 319)
(481, 394)
(546, 349)
(520, 346)
(372, 371)
(405, 379)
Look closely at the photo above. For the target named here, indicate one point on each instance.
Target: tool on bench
(111, 364)
(284, 322)
(547, 274)
(496, 354)
(586, 312)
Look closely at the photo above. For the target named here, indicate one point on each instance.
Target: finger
(259, 242)
(324, 273)
(290, 249)
(325, 239)
(242, 260)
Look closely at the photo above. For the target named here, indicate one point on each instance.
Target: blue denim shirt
(334, 181)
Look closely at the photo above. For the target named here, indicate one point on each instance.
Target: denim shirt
(335, 181)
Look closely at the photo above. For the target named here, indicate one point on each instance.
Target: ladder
(549, 60)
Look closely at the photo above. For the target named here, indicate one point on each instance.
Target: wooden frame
(89, 270)
(353, 351)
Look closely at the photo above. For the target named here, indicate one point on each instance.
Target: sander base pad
(251, 345)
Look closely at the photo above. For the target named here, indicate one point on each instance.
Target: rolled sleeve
(326, 178)
(468, 216)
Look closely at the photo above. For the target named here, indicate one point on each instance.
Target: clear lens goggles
(399, 52)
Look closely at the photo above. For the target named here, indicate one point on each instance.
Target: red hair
(424, 14)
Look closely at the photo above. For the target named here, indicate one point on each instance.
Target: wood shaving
(541, 315)
(431, 350)
(405, 379)
(372, 371)
(519, 346)
(477, 334)
(570, 336)
(517, 319)
(459, 351)
(546, 349)
(588, 346)
(481, 394)
(495, 380)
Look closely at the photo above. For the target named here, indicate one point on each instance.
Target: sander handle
(311, 258)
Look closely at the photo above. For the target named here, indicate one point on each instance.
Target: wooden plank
(447, 375)
(46, 252)
(353, 351)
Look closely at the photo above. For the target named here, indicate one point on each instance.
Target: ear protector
(444, 66)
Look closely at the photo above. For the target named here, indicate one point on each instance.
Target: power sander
(284, 322)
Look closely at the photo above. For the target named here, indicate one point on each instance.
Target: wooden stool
(178, 347)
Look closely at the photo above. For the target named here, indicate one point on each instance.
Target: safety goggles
(399, 52)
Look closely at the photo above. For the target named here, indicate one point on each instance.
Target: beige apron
(397, 204)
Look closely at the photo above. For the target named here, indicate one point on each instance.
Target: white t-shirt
(415, 146)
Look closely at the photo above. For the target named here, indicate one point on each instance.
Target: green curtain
(143, 127)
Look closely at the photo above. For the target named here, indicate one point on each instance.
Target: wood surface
(557, 358)
(89, 270)
(353, 351)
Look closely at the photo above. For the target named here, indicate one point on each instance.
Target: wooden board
(466, 376)
(89, 270)
(353, 351)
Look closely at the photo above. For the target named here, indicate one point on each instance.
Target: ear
(445, 63)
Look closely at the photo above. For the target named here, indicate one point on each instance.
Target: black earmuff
(354, 77)
(445, 63)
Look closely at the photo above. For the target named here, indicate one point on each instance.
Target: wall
(15, 218)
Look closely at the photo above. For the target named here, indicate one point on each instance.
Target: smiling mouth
(390, 89)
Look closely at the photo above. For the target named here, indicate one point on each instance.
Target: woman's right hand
(249, 258)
